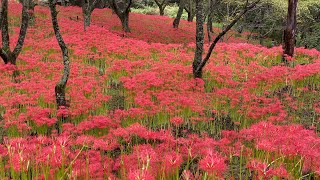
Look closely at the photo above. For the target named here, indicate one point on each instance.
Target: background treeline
(264, 24)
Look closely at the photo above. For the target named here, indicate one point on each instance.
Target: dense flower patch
(136, 112)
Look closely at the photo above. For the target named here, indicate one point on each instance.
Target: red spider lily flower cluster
(135, 111)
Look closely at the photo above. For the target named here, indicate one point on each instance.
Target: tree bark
(162, 5)
(190, 10)
(1, 15)
(122, 9)
(61, 85)
(161, 10)
(199, 39)
(5, 27)
(32, 17)
(179, 14)
(87, 10)
(190, 17)
(289, 32)
(198, 63)
(5, 52)
(86, 20)
(210, 18)
(125, 22)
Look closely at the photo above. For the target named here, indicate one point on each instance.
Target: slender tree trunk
(5, 27)
(289, 32)
(32, 18)
(87, 10)
(6, 54)
(190, 16)
(198, 62)
(125, 22)
(210, 19)
(199, 40)
(60, 87)
(161, 9)
(86, 20)
(122, 9)
(1, 15)
(162, 5)
(179, 14)
(210, 16)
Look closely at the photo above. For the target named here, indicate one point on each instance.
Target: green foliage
(310, 39)
(268, 19)
(170, 11)
(146, 10)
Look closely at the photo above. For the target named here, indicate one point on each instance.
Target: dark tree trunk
(190, 10)
(210, 19)
(122, 9)
(60, 87)
(289, 32)
(86, 20)
(198, 62)
(162, 5)
(5, 27)
(190, 17)
(125, 22)
(32, 4)
(199, 39)
(209, 33)
(32, 18)
(6, 54)
(161, 9)
(179, 14)
(1, 14)
(87, 10)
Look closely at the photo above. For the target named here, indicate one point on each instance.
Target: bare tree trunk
(32, 4)
(289, 32)
(32, 18)
(190, 17)
(162, 5)
(87, 21)
(60, 87)
(210, 18)
(5, 52)
(87, 10)
(125, 22)
(198, 62)
(122, 9)
(5, 28)
(161, 10)
(199, 39)
(1, 15)
(179, 14)
(189, 7)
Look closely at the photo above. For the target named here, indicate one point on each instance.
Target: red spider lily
(213, 163)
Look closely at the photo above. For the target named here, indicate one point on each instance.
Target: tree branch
(216, 40)
(4, 25)
(23, 28)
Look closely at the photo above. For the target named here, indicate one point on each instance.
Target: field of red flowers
(137, 113)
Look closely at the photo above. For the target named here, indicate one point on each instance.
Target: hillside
(137, 113)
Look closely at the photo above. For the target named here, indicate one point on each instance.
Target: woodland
(160, 89)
